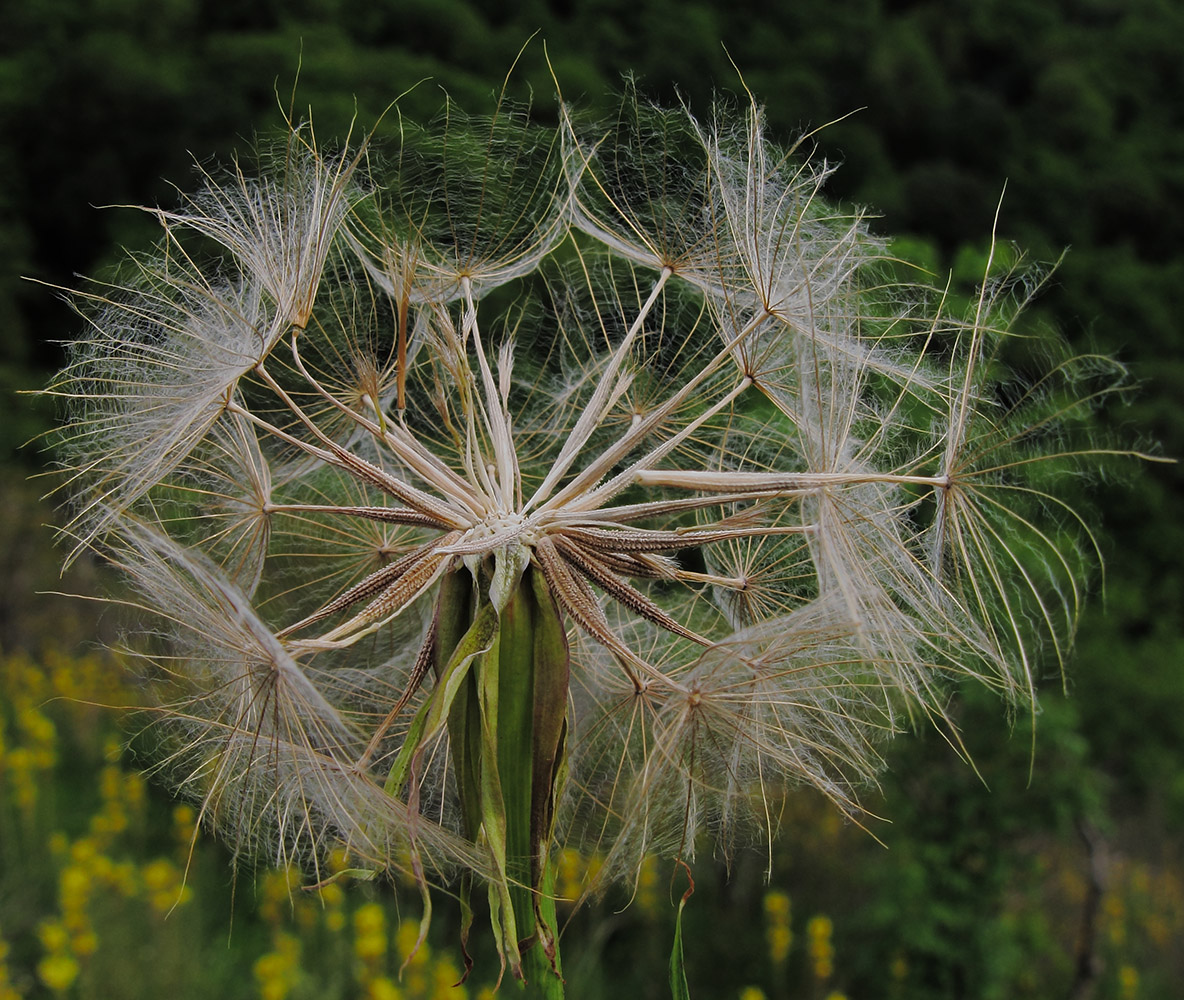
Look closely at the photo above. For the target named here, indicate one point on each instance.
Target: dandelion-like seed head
(582, 485)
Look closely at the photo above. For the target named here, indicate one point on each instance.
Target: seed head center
(502, 520)
(503, 525)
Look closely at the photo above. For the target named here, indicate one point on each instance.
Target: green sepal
(507, 724)
(454, 612)
(493, 809)
(434, 712)
(552, 676)
(514, 746)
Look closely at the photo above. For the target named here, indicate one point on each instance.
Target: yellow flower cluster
(386, 965)
(778, 929)
(1147, 900)
(28, 735)
(87, 871)
(279, 894)
(646, 895)
(822, 951)
(1128, 981)
(370, 939)
(425, 975)
(37, 700)
(184, 829)
(277, 972)
(28, 738)
(122, 794)
(58, 968)
(575, 872)
(281, 903)
(332, 893)
(164, 885)
(320, 940)
(1141, 919)
(779, 939)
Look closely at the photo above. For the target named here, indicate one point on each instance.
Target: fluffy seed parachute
(581, 485)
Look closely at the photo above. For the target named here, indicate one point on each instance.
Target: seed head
(777, 499)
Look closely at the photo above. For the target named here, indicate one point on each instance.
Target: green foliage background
(1076, 105)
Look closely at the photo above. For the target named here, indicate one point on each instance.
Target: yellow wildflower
(53, 935)
(1128, 982)
(84, 943)
(382, 988)
(405, 938)
(778, 933)
(58, 970)
(370, 944)
(277, 971)
(819, 931)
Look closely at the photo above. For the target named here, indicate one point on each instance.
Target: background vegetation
(1077, 105)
